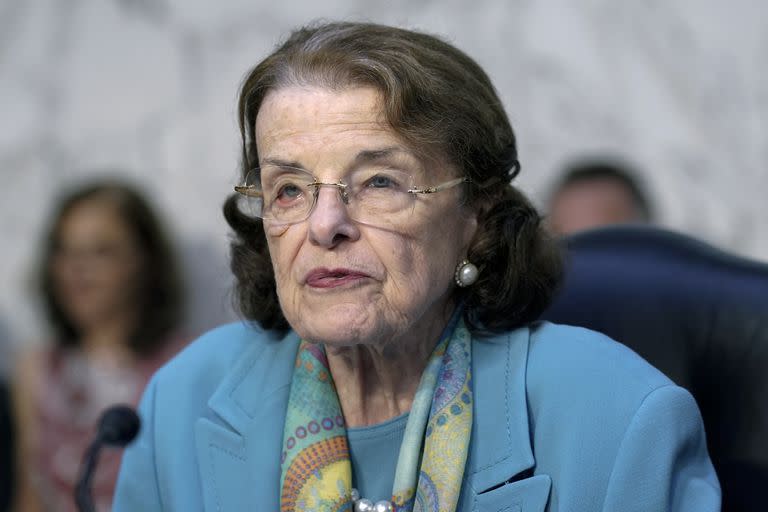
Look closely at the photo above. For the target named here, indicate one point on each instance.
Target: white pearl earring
(466, 274)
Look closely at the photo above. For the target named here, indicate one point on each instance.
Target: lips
(333, 278)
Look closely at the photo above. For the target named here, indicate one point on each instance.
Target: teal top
(374, 451)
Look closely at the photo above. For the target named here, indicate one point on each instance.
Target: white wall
(679, 87)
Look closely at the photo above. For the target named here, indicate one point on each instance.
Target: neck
(108, 338)
(372, 385)
(376, 382)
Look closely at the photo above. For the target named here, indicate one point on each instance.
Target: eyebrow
(362, 157)
(373, 155)
(277, 162)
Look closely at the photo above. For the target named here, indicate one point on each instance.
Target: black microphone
(118, 426)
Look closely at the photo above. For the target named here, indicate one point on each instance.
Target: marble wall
(148, 87)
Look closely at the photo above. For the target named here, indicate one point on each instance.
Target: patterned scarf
(316, 472)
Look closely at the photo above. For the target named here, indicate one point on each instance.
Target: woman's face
(339, 281)
(96, 264)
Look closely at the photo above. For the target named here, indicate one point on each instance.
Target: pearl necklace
(366, 505)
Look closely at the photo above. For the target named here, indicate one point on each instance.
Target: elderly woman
(391, 274)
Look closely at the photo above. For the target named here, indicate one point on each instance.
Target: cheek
(134, 276)
(124, 267)
(284, 244)
(120, 284)
(60, 271)
(421, 265)
(442, 242)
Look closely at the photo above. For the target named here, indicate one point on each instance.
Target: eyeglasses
(379, 196)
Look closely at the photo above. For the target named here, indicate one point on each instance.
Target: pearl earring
(466, 274)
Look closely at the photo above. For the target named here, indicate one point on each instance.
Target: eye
(284, 186)
(381, 181)
(288, 192)
(387, 180)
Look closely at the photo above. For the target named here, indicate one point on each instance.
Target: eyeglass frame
(254, 191)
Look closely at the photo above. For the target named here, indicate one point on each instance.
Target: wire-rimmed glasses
(380, 195)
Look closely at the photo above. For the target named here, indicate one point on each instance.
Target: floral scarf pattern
(316, 472)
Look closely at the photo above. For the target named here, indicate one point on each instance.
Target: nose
(329, 222)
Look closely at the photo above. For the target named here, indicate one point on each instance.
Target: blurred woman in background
(112, 295)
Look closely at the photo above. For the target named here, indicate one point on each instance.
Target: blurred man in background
(596, 192)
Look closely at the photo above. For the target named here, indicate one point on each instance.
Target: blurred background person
(597, 192)
(113, 298)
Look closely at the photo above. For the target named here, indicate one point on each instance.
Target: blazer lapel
(244, 439)
(500, 464)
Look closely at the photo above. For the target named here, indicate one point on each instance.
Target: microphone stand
(118, 426)
(83, 497)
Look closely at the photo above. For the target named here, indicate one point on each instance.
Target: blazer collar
(267, 365)
(500, 448)
(239, 452)
(498, 373)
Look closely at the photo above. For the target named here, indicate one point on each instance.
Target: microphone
(118, 426)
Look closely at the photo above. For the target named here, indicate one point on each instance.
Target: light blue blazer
(565, 419)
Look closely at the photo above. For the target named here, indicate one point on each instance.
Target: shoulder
(571, 370)
(215, 348)
(580, 359)
(590, 402)
(30, 371)
(203, 363)
(30, 362)
(561, 361)
(572, 375)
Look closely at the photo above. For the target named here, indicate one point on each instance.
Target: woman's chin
(338, 335)
(340, 327)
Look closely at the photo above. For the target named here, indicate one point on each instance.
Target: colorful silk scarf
(316, 473)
